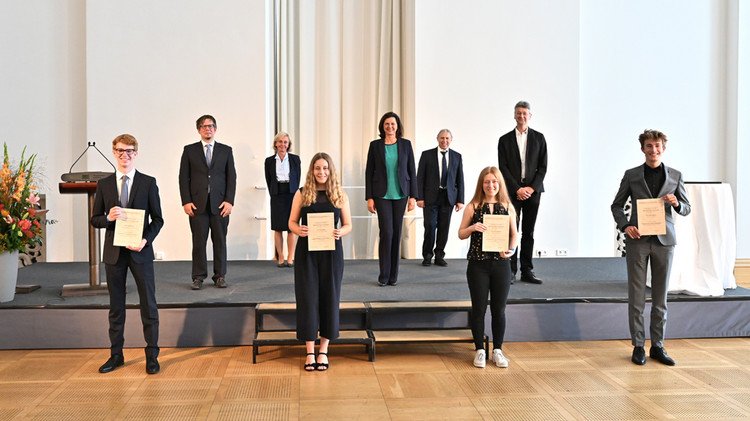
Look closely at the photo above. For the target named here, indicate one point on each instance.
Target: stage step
(288, 338)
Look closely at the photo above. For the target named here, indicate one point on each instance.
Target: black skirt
(281, 207)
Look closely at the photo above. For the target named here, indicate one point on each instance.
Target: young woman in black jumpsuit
(318, 274)
(488, 272)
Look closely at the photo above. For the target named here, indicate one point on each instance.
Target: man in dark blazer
(440, 189)
(522, 159)
(652, 180)
(128, 188)
(207, 185)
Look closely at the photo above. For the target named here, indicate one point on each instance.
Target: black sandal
(311, 366)
(322, 366)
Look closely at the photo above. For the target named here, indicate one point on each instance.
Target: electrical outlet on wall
(159, 255)
(540, 253)
(561, 252)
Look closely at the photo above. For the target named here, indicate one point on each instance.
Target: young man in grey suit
(652, 180)
(440, 189)
(522, 159)
(128, 188)
(207, 185)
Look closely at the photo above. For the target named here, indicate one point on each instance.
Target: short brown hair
(649, 134)
(126, 139)
(204, 117)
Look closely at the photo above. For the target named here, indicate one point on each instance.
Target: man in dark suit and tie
(130, 189)
(522, 159)
(207, 185)
(652, 180)
(440, 189)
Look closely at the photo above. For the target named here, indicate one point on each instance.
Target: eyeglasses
(124, 151)
(208, 126)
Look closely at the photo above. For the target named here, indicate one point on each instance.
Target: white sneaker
(499, 358)
(479, 359)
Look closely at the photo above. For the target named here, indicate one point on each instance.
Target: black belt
(283, 182)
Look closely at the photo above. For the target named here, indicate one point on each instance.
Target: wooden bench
(265, 337)
(425, 335)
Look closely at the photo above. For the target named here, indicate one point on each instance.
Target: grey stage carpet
(250, 282)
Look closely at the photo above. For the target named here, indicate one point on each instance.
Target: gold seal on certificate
(651, 217)
(129, 228)
(496, 238)
(320, 231)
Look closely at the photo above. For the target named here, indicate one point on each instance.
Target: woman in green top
(390, 188)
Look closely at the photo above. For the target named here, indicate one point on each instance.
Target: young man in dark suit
(207, 185)
(652, 180)
(522, 159)
(440, 189)
(128, 188)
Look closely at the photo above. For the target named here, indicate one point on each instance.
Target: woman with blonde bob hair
(318, 274)
(488, 272)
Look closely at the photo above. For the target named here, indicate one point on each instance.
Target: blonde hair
(125, 139)
(334, 192)
(278, 137)
(502, 193)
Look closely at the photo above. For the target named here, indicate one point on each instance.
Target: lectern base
(82, 290)
(25, 289)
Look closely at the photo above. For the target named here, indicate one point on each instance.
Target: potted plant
(20, 218)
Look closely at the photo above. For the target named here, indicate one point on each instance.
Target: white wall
(660, 70)
(153, 69)
(596, 73)
(43, 88)
(474, 61)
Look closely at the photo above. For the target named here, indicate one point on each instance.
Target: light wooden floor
(545, 381)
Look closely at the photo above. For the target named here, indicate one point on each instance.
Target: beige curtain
(341, 64)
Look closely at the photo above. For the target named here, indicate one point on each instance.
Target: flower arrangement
(20, 222)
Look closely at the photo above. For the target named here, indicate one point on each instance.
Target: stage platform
(581, 299)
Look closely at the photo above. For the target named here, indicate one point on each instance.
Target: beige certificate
(320, 231)
(651, 218)
(496, 237)
(129, 227)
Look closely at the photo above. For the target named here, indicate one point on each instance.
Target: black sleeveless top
(475, 244)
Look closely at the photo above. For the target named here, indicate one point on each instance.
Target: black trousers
(317, 288)
(436, 217)
(144, 281)
(200, 224)
(526, 213)
(390, 221)
(488, 277)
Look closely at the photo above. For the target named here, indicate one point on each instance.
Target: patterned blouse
(475, 245)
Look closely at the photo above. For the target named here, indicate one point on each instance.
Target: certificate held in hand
(651, 217)
(497, 236)
(320, 231)
(129, 228)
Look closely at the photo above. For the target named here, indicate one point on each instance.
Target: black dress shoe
(441, 262)
(659, 354)
(381, 284)
(152, 365)
(392, 283)
(530, 278)
(426, 262)
(639, 355)
(112, 363)
(197, 284)
(220, 283)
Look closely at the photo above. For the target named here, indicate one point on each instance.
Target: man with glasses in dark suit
(208, 182)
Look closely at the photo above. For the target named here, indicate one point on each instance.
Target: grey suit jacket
(633, 185)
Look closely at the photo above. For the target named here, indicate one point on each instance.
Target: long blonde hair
(502, 194)
(333, 186)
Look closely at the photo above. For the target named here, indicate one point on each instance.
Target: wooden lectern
(94, 287)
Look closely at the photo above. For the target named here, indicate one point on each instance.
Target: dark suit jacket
(144, 194)
(376, 181)
(509, 161)
(633, 185)
(294, 174)
(195, 176)
(428, 177)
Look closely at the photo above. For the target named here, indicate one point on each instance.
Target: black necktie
(444, 171)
